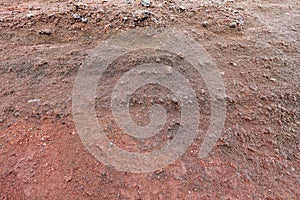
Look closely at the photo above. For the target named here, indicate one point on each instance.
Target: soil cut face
(255, 44)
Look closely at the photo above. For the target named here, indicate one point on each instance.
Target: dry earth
(255, 43)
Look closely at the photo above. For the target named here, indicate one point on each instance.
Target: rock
(240, 21)
(107, 28)
(16, 114)
(181, 8)
(141, 15)
(84, 20)
(34, 100)
(233, 25)
(146, 3)
(233, 63)
(205, 24)
(76, 16)
(45, 32)
(129, 1)
(2, 120)
(68, 178)
(29, 15)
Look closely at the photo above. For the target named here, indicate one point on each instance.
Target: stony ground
(257, 46)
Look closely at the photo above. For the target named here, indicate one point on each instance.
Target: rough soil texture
(255, 43)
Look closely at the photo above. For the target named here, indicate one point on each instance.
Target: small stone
(29, 15)
(233, 63)
(128, 1)
(205, 24)
(76, 16)
(34, 100)
(182, 8)
(233, 25)
(45, 32)
(68, 178)
(84, 20)
(293, 169)
(146, 3)
(169, 70)
(2, 120)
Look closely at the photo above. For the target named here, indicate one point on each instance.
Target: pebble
(233, 63)
(76, 16)
(2, 120)
(205, 24)
(84, 20)
(34, 100)
(68, 178)
(128, 1)
(16, 114)
(146, 3)
(141, 15)
(233, 25)
(45, 32)
(182, 8)
(29, 15)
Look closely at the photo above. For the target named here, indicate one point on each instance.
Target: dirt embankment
(256, 46)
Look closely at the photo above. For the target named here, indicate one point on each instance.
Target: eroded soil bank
(256, 46)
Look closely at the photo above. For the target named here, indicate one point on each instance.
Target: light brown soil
(258, 155)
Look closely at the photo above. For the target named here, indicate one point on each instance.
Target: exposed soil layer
(255, 44)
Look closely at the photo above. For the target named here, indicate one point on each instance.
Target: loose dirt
(256, 44)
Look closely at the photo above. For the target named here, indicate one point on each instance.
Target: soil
(256, 45)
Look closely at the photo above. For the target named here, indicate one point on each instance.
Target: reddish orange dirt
(256, 44)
